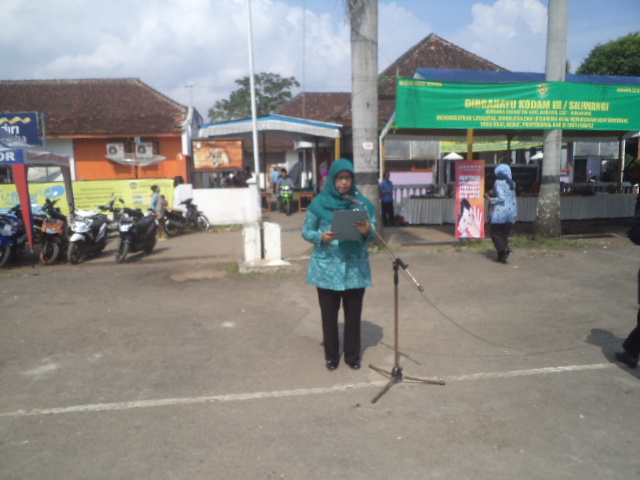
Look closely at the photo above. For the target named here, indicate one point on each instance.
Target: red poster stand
(470, 214)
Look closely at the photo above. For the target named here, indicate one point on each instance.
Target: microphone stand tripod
(396, 375)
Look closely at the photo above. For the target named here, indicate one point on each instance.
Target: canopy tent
(289, 128)
(20, 156)
(481, 81)
(447, 105)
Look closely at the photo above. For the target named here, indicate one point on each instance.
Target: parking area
(167, 367)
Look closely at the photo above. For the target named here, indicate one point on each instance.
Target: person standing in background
(386, 199)
(275, 176)
(504, 211)
(158, 205)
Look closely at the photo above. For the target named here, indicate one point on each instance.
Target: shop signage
(22, 125)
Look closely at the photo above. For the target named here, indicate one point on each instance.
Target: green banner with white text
(517, 106)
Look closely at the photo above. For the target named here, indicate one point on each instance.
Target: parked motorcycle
(89, 236)
(286, 199)
(137, 233)
(176, 221)
(55, 233)
(112, 213)
(13, 235)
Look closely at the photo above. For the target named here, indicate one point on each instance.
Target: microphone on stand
(349, 198)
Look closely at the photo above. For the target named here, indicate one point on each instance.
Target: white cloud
(399, 29)
(173, 44)
(198, 48)
(511, 33)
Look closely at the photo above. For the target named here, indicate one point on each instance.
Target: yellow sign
(487, 146)
(90, 194)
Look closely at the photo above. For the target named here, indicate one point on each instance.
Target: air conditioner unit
(115, 150)
(144, 150)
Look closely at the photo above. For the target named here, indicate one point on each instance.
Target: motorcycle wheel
(49, 253)
(74, 253)
(202, 223)
(287, 208)
(5, 253)
(171, 229)
(122, 252)
(151, 242)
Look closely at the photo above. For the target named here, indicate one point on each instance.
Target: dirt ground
(166, 367)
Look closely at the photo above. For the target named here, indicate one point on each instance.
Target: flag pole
(254, 119)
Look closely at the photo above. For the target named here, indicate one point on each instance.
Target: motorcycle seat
(147, 220)
(97, 222)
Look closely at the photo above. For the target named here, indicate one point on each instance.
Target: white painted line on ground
(110, 407)
(534, 371)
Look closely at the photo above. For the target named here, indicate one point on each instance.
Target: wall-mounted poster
(217, 155)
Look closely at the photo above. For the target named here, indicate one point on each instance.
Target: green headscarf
(331, 200)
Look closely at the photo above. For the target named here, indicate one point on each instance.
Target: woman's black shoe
(331, 366)
(624, 357)
(354, 366)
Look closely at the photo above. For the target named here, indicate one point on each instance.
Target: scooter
(89, 237)
(175, 221)
(286, 199)
(55, 233)
(113, 214)
(13, 235)
(137, 233)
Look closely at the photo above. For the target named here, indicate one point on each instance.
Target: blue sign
(23, 125)
(11, 157)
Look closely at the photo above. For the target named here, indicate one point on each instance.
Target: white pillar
(252, 247)
(272, 242)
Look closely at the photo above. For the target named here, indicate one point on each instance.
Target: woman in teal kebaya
(339, 269)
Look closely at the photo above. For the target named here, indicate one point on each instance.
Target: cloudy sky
(193, 50)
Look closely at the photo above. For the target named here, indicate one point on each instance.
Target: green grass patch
(225, 228)
(233, 271)
(521, 242)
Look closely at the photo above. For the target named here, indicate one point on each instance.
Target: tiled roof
(431, 52)
(94, 107)
(268, 143)
(323, 107)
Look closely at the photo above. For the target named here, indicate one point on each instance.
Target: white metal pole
(256, 146)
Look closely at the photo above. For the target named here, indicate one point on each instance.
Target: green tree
(272, 91)
(618, 57)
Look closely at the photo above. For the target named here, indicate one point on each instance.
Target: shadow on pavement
(610, 343)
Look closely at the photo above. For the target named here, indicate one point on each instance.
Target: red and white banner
(470, 199)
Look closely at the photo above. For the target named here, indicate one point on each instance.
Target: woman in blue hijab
(504, 211)
(339, 269)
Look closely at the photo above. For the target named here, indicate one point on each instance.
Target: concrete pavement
(165, 368)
